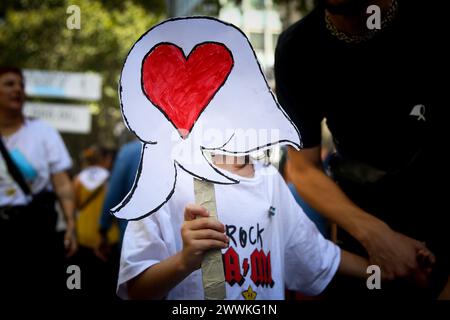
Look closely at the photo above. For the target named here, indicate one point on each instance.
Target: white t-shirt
(267, 252)
(92, 177)
(41, 152)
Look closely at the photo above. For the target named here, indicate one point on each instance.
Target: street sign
(63, 117)
(65, 85)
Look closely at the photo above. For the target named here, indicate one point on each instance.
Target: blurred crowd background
(72, 74)
(71, 54)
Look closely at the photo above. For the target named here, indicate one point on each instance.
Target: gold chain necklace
(389, 16)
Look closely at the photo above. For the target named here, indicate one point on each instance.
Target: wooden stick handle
(212, 266)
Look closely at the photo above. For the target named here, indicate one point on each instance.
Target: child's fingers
(207, 223)
(432, 258)
(422, 248)
(426, 254)
(209, 244)
(209, 234)
(426, 260)
(191, 211)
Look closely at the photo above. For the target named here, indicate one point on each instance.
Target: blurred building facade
(261, 20)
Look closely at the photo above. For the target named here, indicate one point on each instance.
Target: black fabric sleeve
(296, 90)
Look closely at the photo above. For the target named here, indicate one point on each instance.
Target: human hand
(395, 253)
(70, 242)
(426, 261)
(200, 233)
(103, 250)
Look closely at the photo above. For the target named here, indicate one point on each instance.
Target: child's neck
(237, 165)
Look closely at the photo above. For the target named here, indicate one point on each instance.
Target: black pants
(32, 254)
(98, 277)
(409, 204)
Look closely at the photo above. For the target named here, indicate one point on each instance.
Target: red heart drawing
(183, 87)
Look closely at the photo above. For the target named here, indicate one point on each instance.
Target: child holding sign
(190, 87)
(266, 240)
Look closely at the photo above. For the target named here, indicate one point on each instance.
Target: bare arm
(199, 236)
(76, 192)
(156, 281)
(393, 252)
(323, 194)
(65, 193)
(353, 265)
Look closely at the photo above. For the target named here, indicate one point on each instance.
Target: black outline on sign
(129, 196)
(200, 18)
(221, 148)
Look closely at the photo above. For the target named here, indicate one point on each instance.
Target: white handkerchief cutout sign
(190, 86)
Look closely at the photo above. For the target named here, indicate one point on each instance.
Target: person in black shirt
(381, 93)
